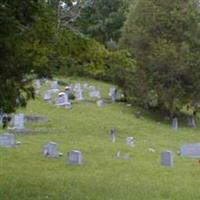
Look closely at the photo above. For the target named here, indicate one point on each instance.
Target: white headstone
(113, 94)
(7, 140)
(47, 96)
(63, 101)
(54, 85)
(79, 94)
(75, 157)
(51, 150)
(37, 84)
(190, 150)
(19, 121)
(167, 159)
(130, 141)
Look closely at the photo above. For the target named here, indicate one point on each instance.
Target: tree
(103, 19)
(164, 38)
(26, 38)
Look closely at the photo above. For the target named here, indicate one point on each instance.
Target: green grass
(26, 175)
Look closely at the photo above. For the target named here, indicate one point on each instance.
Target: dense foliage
(164, 38)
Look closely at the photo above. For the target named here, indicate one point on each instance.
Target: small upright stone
(167, 159)
(7, 140)
(175, 123)
(75, 157)
(51, 150)
(113, 135)
(19, 121)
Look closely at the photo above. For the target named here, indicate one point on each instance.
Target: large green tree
(103, 19)
(164, 38)
(26, 40)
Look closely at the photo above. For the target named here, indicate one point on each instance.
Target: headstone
(63, 101)
(100, 103)
(167, 158)
(37, 84)
(7, 140)
(113, 134)
(51, 150)
(130, 141)
(75, 157)
(190, 150)
(19, 121)
(113, 94)
(94, 93)
(35, 118)
(79, 94)
(54, 85)
(191, 122)
(47, 96)
(175, 123)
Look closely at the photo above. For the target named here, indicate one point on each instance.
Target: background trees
(163, 37)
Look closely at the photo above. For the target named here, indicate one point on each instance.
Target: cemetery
(102, 149)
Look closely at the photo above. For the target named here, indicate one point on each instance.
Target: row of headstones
(62, 99)
(76, 157)
(190, 120)
(50, 149)
(167, 158)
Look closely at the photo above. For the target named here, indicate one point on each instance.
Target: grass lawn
(26, 175)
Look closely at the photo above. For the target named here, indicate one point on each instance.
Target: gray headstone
(51, 150)
(75, 157)
(113, 135)
(18, 122)
(7, 140)
(175, 123)
(47, 96)
(63, 101)
(54, 85)
(113, 94)
(167, 159)
(191, 122)
(191, 150)
(100, 103)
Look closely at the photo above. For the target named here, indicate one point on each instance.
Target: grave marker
(75, 157)
(190, 150)
(167, 159)
(7, 140)
(51, 150)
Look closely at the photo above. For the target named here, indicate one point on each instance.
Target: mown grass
(26, 175)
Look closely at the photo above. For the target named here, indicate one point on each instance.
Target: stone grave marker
(54, 85)
(18, 121)
(190, 150)
(113, 94)
(167, 159)
(51, 150)
(191, 122)
(37, 84)
(62, 100)
(113, 135)
(130, 141)
(175, 123)
(47, 96)
(75, 157)
(7, 140)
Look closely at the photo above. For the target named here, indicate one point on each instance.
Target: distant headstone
(51, 150)
(167, 159)
(47, 96)
(175, 123)
(7, 140)
(79, 94)
(37, 84)
(113, 135)
(35, 118)
(18, 122)
(190, 150)
(75, 157)
(94, 93)
(54, 85)
(191, 122)
(130, 141)
(63, 101)
(113, 94)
